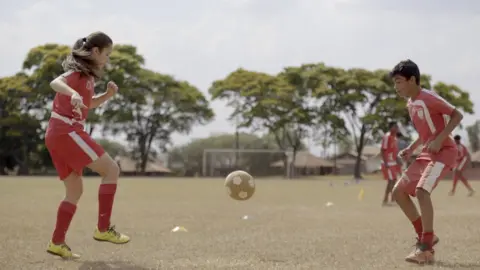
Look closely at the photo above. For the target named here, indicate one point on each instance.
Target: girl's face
(101, 56)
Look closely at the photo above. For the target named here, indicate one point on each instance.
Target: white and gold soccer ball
(240, 185)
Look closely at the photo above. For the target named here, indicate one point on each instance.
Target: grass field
(289, 226)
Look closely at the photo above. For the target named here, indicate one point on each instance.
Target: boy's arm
(383, 152)
(455, 119)
(414, 145)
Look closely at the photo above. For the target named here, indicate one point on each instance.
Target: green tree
(150, 108)
(278, 104)
(19, 128)
(189, 157)
(368, 101)
(113, 148)
(473, 132)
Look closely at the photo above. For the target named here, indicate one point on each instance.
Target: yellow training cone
(360, 194)
(179, 229)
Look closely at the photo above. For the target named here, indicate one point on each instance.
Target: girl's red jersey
(66, 118)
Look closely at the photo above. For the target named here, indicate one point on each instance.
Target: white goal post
(218, 161)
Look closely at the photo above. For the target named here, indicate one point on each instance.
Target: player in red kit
(389, 153)
(462, 159)
(72, 149)
(434, 119)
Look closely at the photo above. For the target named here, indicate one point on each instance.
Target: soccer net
(257, 162)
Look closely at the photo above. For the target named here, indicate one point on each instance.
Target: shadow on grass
(456, 265)
(101, 265)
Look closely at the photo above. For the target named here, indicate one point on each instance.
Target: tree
(368, 102)
(189, 157)
(152, 107)
(19, 128)
(473, 132)
(113, 148)
(278, 104)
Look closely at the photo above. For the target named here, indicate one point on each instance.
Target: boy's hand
(434, 146)
(405, 154)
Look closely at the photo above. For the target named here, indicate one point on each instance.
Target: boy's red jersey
(430, 114)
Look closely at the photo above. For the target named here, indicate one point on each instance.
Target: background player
(438, 156)
(72, 149)
(462, 160)
(390, 167)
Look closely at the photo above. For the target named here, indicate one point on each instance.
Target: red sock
(427, 239)
(65, 214)
(106, 195)
(417, 224)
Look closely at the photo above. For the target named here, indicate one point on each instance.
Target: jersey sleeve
(72, 78)
(437, 104)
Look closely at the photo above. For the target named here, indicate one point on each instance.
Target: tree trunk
(292, 164)
(357, 174)
(23, 164)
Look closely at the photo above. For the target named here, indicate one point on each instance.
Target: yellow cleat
(111, 235)
(61, 250)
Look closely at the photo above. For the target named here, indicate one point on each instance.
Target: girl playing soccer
(72, 149)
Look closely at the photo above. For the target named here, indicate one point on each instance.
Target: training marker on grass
(360, 194)
(179, 229)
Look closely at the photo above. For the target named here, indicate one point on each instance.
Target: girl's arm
(60, 85)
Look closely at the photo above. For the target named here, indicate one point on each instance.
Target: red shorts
(422, 174)
(72, 152)
(461, 164)
(391, 173)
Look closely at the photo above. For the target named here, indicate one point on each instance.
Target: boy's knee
(397, 191)
(422, 193)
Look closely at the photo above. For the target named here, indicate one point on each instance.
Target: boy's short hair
(408, 69)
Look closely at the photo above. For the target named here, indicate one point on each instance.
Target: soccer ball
(240, 185)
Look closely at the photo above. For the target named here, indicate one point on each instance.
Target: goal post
(258, 162)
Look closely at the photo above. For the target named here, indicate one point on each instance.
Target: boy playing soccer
(389, 152)
(462, 159)
(428, 112)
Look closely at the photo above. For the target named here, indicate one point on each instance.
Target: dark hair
(457, 138)
(391, 124)
(79, 59)
(399, 135)
(408, 69)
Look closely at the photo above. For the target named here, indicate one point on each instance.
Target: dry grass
(289, 227)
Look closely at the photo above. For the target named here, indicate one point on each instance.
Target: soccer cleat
(418, 244)
(111, 235)
(434, 242)
(421, 256)
(471, 193)
(451, 193)
(62, 250)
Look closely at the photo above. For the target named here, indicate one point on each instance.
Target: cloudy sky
(203, 40)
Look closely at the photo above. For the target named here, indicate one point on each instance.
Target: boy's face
(403, 86)
(394, 129)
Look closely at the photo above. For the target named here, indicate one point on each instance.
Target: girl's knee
(73, 188)
(73, 194)
(114, 170)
